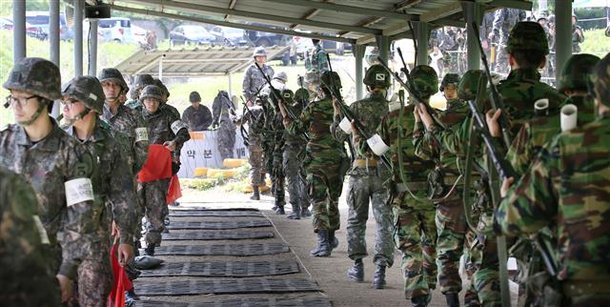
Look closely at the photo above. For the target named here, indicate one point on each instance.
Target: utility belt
(579, 288)
(413, 186)
(365, 163)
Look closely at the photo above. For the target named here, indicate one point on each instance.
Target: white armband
(177, 125)
(378, 146)
(78, 190)
(141, 134)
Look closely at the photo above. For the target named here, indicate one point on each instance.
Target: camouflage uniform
(24, 249)
(197, 119)
(253, 116)
(318, 61)
(273, 147)
(254, 81)
(504, 20)
(222, 108)
(139, 83)
(415, 231)
(323, 158)
(366, 178)
(163, 126)
(47, 165)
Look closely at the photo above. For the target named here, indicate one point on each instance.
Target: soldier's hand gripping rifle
(347, 113)
(494, 98)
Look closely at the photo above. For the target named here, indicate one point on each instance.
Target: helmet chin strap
(78, 117)
(39, 110)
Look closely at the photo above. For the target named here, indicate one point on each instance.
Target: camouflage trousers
(501, 65)
(256, 159)
(226, 139)
(293, 169)
(278, 178)
(367, 186)
(153, 195)
(324, 186)
(94, 280)
(484, 251)
(415, 237)
(140, 210)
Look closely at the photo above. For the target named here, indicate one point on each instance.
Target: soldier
(504, 20)
(222, 109)
(367, 176)
(55, 164)
(578, 36)
(113, 186)
(166, 129)
(139, 83)
(253, 79)
(274, 147)
(318, 62)
(23, 247)
(198, 117)
(413, 213)
(566, 185)
(294, 153)
(323, 159)
(449, 89)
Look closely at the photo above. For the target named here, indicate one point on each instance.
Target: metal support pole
(383, 45)
(473, 13)
(563, 34)
(358, 51)
(421, 35)
(78, 37)
(93, 47)
(18, 30)
(230, 86)
(54, 31)
(161, 68)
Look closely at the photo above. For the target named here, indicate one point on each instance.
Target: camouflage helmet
(449, 79)
(527, 35)
(425, 80)
(152, 91)
(301, 95)
(194, 96)
(600, 80)
(287, 95)
(37, 76)
(330, 78)
(143, 80)
(113, 74)
(162, 86)
(577, 71)
(377, 76)
(467, 89)
(259, 51)
(312, 77)
(88, 90)
(281, 76)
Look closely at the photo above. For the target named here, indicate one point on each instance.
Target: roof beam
(513, 4)
(230, 24)
(231, 6)
(197, 8)
(339, 8)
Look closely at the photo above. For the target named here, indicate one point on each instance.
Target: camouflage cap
(259, 51)
(527, 35)
(576, 72)
(330, 78)
(88, 90)
(152, 91)
(449, 79)
(287, 95)
(312, 77)
(37, 76)
(143, 80)
(194, 96)
(467, 89)
(600, 80)
(113, 74)
(162, 86)
(281, 76)
(425, 80)
(377, 76)
(301, 95)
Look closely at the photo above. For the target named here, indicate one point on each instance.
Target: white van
(116, 29)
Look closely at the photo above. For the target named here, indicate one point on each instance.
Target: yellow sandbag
(264, 188)
(248, 188)
(225, 173)
(200, 172)
(233, 163)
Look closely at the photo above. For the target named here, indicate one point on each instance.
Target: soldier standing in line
(23, 247)
(167, 129)
(294, 154)
(139, 83)
(413, 213)
(197, 116)
(318, 62)
(55, 164)
(366, 182)
(565, 188)
(324, 155)
(578, 36)
(253, 79)
(113, 186)
(504, 20)
(222, 110)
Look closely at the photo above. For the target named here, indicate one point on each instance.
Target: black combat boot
(279, 209)
(323, 248)
(296, 212)
(453, 300)
(256, 194)
(421, 301)
(332, 239)
(356, 272)
(150, 250)
(305, 212)
(379, 277)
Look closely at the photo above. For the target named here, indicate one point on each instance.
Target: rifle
(344, 109)
(495, 99)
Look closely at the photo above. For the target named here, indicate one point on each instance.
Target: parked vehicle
(229, 36)
(335, 47)
(117, 29)
(190, 34)
(41, 19)
(266, 39)
(6, 23)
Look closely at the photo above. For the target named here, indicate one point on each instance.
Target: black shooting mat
(224, 269)
(154, 287)
(248, 249)
(246, 302)
(215, 213)
(218, 235)
(219, 224)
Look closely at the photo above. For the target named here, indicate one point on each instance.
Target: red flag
(158, 164)
(174, 192)
(121, 281)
